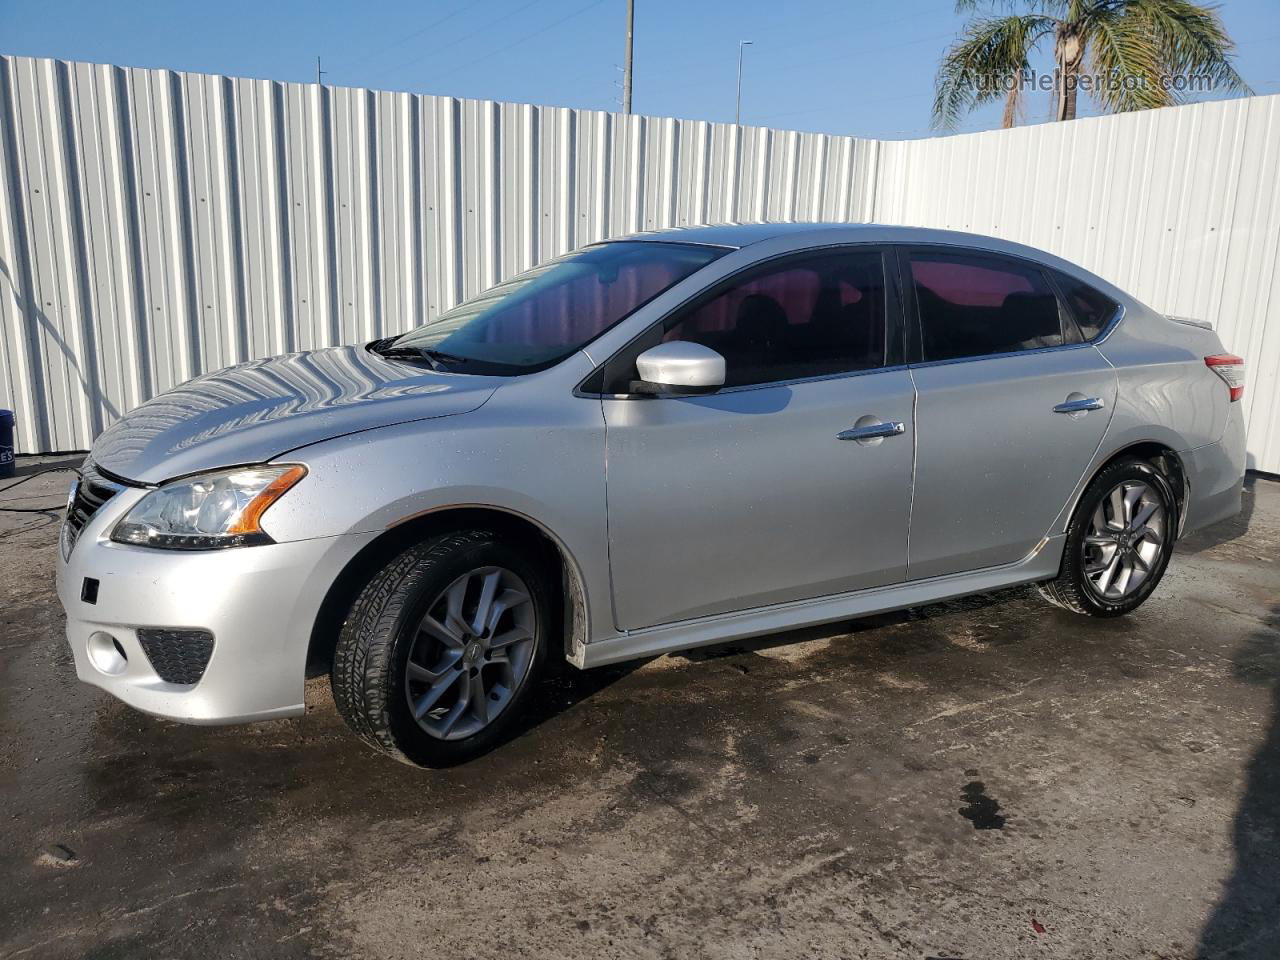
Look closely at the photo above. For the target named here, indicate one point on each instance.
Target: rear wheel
(1118, 542)
(441, 649)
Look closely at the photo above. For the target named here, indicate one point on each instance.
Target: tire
(399, 670)
(1082, 585)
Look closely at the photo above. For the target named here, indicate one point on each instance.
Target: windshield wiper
(439, 355)
(412, 354)
(435, 359)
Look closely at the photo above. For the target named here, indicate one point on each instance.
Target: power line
(768, 51)
(861, 29)
(845, 55)
(528, 36)
(457, 40)
(483, 28)
(405, 39)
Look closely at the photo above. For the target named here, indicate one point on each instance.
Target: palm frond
(1155, 41)
(989, 56)
(1193, 40)
(1126, 61)
(1052, 8)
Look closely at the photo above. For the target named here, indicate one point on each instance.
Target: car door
(749, 496)
(1011, 407)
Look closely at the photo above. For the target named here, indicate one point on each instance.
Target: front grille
(91, 491)
(178, 656)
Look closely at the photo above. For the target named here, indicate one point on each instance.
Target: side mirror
(678, 368)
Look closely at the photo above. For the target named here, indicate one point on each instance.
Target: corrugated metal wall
(1180, 207)
(154, 225)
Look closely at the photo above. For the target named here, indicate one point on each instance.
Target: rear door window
(978, 304)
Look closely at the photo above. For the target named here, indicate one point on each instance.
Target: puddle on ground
(982, 810)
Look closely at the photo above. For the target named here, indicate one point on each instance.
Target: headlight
(206, 512)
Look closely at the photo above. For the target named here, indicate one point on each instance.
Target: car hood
(255, 411)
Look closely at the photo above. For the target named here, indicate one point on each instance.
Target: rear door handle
(873, 431)
(1080, 405)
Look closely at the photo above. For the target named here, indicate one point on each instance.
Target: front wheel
(1118, 543)
(441, 649)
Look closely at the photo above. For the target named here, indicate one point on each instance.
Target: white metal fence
(1180, 207)
(154, 225)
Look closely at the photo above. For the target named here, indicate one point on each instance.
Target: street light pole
(626, 69)
(737, 113)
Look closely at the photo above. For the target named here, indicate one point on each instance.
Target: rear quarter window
(1092, 310)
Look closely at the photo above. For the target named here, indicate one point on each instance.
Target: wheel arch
(416, 528)
(1161, 456)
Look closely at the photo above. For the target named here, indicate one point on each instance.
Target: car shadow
(1245, 923)
(565, 687)
(931, 611)
(1224, 531)
(561, 688)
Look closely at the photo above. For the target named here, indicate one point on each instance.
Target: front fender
(543, 461)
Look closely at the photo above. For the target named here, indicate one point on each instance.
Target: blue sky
(833, 65)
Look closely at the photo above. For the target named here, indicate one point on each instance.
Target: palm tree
(1137, 47)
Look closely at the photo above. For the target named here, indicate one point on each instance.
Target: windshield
(540, 317)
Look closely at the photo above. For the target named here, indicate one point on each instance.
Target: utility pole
(626, 69)
(319, 73)
(737, 113)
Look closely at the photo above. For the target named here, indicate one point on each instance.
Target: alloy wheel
(1125, 538)
(471, 653)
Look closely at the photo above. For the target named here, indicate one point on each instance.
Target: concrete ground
(984, 779)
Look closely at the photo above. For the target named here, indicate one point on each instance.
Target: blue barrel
(6, 443)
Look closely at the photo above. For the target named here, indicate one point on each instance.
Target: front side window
(540, 317)
(1092, 310)
(974, 305)
(810, 317)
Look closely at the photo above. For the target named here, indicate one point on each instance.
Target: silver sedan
(647, 445)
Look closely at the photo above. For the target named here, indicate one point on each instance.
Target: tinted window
(542, 316)
(1092, 310)
(972, 305)
(807, 317)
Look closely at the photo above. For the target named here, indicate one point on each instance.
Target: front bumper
(260, 604)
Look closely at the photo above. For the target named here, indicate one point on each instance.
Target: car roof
(736, 236)
(739, 235)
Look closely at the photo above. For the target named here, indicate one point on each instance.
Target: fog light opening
(106, 654)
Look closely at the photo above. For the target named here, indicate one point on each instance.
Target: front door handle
(1079, 404)
(873, 431)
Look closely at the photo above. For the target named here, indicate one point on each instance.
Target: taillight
(1231, 369)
